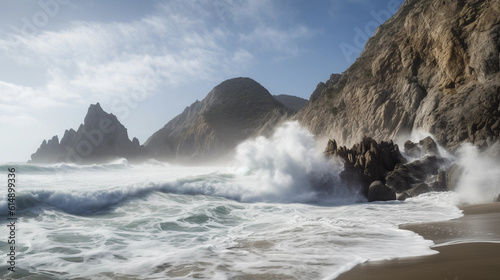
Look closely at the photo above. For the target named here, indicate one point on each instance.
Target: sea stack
(100, 138)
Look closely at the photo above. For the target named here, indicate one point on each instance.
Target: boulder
(378, 191)
(430, 147)
(411, 149)
(399, 179)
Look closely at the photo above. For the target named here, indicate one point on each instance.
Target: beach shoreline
(468, 248)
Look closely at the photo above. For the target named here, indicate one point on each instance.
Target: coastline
(468, 248)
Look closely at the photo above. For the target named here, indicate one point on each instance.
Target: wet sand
(466, 246)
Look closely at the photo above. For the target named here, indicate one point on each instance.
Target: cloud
(181, 42)
(270, 39)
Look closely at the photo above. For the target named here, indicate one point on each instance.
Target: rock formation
(378, 191)
(233, 111)
(382, 173)
(365, 162)
(291, 102)
(433, 66)
(100, 138)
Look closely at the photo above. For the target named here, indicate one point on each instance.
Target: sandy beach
(469, 248)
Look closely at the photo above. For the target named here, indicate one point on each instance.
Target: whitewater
(277, 210)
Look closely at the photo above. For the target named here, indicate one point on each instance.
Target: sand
(466, 246)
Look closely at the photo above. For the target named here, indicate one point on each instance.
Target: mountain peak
(231, 112)
(100, 138)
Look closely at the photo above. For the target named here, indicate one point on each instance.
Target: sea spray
(287, 167)
(479, 182)
(158, 221)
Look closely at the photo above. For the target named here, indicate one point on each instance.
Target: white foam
(166, 221)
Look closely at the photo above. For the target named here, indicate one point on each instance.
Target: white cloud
(269, 38)
(182, 42)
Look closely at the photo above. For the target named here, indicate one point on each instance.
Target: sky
(146, 61)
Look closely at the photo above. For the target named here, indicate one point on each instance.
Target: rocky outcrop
(291, 102)
(382, 173)
(233, 111)
(365, 162)
(378, 191)
(100, 138)
(434, 66)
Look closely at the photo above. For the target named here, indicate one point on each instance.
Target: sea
(258, 216)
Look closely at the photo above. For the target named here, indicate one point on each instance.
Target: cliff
(100, 138)
(233, 111)
(434, 66)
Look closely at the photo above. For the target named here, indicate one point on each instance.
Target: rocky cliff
(233, 111)
(434, 66)
(100, 138)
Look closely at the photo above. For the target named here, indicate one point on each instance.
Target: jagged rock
(432, 69)
(366, 161)
(378, 191)
(100, 138)
(49, 151)
(233, 111)
(430, 147)
(399, 179)
(412, 149)
(405, 176)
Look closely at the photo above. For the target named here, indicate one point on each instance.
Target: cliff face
(100, 138)
(233, 111)
(433, 66)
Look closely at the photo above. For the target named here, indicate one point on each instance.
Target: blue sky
(145, 61)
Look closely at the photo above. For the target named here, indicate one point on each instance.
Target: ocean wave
(224, 185)
(285, 168)
(29, 168)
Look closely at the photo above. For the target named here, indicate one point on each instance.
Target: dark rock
(366, 161)
(411, 149)
(498, 198)
(430, 147)
(100, 138)
(49, 151)
(135, 142)
(405, 177)
(378, 191)
(440, 184)
(399, 179)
